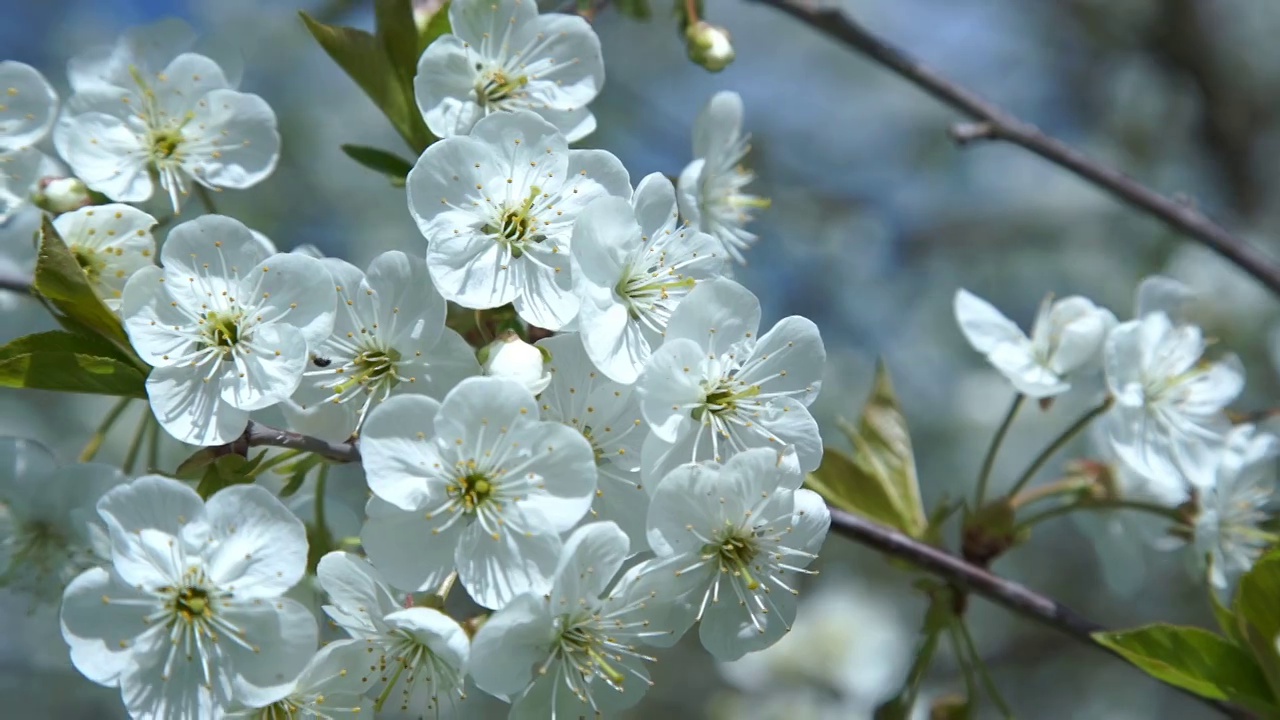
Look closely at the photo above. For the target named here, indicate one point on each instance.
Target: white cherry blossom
(388, 337)
(711, 196)
(478, 482)
(497, 209)
(632, 265)
(49, 527)
(413, 656)
(135, 123)
(1067, 336)
(576, 651)
(510, 357)
(735, 538)
(1168, 418)
(111, 243)
(225, 327)
(190, 615)
(330, 687)
(1228, 529)
(607, 413)
(717, 387)
(28, 106)
(502, 56)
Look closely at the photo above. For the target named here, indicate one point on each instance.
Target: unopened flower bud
(512, 358)
(62, 195)
(709, 46)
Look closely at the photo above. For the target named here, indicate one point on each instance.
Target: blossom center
(642, 291)
(222, 331)
(473, 490)
(192, 604)
(516, 227)
(724, 397)
(583, 648)
(376, 366)
(89, 261)
(495, 87)
(164, 142)
(734, 551)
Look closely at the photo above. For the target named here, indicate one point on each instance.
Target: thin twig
(1006, 593)
(259, 435)
(995, 123)
(13, 282)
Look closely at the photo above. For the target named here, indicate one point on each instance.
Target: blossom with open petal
(111, 243)
(1229, 529)
(577, 650)
(1067, 335)
(711, 196)
(479, 482)
(134, 123)
(734, 537)
(330, 687)
(414, 656)
(225, 327)
(632, 265)
(190, 615)
(388, 337)
(717, 387)
(607, 413)
(497, 209)
(28, 106)
(502, 56)
(1168, 418)
(49, 528)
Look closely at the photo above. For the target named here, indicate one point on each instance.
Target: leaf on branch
(438, 25)
(1196, 660)
(380, 161)
(397, 33)
(1257, 614)
(879, 480)
(227, 470)
(70, 362)
(635, 9)
(368, 61)
(61, 280)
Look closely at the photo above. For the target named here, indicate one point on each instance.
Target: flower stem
(962, 628)
(322, 526)
(1062, 486)
(1075, 429)
(135, 446)
(989, 461)
(153, 447)
(1149, 508)
(206, 198)
(280, 459)
(95, 442)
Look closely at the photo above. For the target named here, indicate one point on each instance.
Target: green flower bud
(709, 46)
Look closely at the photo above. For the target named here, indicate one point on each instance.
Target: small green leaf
(398, 34)
(1257, 614)
(363, 57)
(635, 9)
(1196, 660)
(60, 279)
(72, 372)
(879, 480)
(438, 25)
(227, 470)
(381, 161)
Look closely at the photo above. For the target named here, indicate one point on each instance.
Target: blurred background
(877, 219)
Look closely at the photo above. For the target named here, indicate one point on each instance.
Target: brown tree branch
(994, 123)
(259, 435)
(1003, 592)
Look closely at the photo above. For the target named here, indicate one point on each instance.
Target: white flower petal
(495, 569)
(28, 105)
(983, 326)
(260, 546)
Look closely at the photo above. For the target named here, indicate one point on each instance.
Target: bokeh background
(877, 219)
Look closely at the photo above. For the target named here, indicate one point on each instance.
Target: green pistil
(222, 330)
(578, 639)
(660, 289)
(518, 226)
(724, 399)
(735, 555)
(386, 692)
(192, 603)
(474, 489)
(165, 142)
(499, 87)
(372, 366)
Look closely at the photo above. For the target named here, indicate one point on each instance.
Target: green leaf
(1257, 611)
(879, 480)
(364, 57)
(225, 471)
(72, 372)
(397, 33)
(438, 25)
(381, 161)
(60, 279)
(1196, 660)
(636, 9)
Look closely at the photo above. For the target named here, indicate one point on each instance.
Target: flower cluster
(1166, 429)
(634, 471)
